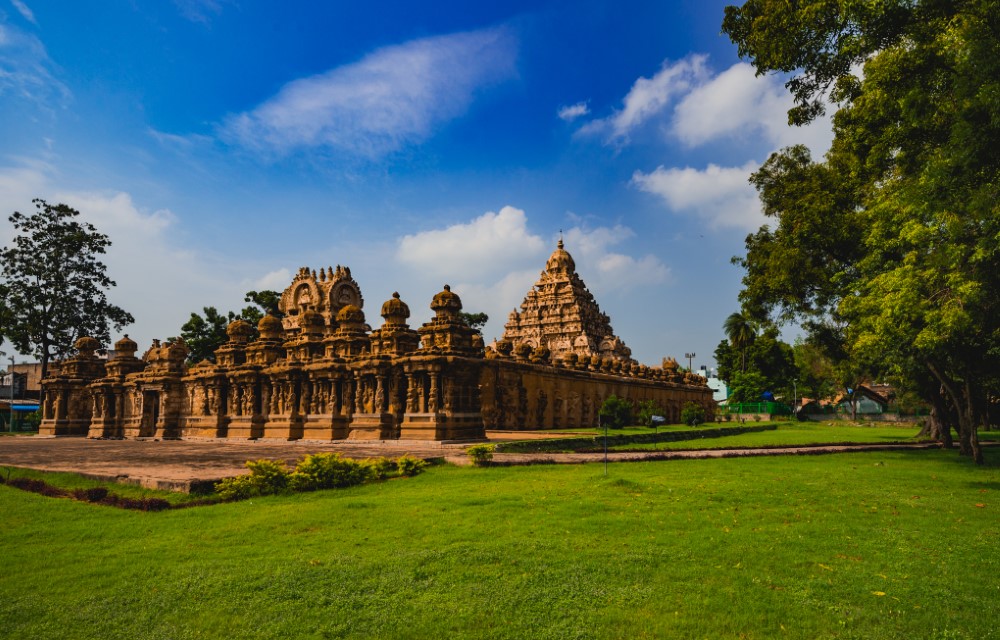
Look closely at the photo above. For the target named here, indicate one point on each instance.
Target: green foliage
(328, 471)
(615, 412)
(889, 244)
(481, 454)
(747, 387)
(646, 410)
(31, 421)
(409, 465)
(692, 414)
(53, 286)
(380, 468)
(266, 301)
(475, 320)
(266, 477)
(764, 354)
(741, 334)
(315, 471)
(203, 334)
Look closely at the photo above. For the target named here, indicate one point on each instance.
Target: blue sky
(222, 145)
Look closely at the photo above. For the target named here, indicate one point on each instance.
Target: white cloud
(737, 104)
(649, 97)
(606, 271)
(696, 106)
(391, 98)
(26, 71)
(493, 260)
(489, 245)
(23, 9)
(719, 195)
(159, 280)
(275, 280)
(573, 111)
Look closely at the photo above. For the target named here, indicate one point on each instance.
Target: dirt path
(182, 464)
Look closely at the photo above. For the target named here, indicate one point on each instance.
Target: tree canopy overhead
(53, 284)
(892, 241)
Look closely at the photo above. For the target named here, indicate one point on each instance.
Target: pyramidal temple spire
(560, 313)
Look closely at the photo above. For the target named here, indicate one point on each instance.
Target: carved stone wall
(333, 378)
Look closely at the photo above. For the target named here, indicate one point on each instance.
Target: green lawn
(863, 545)
(791, 433)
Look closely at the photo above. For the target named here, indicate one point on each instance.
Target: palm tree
(741, 333)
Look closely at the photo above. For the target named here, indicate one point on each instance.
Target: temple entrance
(150, 412)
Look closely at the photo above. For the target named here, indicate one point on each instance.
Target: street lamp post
(11, 429)
(11, 413)
(690, 356)
(795, 398)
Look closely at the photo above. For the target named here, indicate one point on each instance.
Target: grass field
(865, 545)
(792, 433)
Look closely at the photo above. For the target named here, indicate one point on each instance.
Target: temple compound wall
(321, 373)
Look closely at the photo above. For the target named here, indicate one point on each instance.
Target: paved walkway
(181, 464)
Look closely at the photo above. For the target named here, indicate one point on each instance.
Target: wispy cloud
(573, 111)
(720, 195)
(200, 11)
(26, 71)
(25, 12)
(608, 270)
(649, 97)
(694, 105)
(391, 98)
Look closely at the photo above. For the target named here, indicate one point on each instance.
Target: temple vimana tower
(322, 373)
(561, 314)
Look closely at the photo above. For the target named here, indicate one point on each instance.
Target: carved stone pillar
(432, 401)
(411, 393)
(379, 404)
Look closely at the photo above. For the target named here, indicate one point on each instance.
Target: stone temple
(561, 314)
(321, 373)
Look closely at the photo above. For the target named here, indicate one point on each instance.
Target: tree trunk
(964, 402)
(936, 429)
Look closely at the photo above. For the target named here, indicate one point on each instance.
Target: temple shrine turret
(560, 313)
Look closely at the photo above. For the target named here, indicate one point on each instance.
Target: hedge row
(590, 442)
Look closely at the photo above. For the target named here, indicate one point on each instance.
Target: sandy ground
(181, 465)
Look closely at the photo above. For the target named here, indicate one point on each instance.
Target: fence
(756, 408)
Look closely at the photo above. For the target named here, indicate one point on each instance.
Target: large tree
(893, 237)
(53, 285)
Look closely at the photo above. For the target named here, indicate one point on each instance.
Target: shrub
(481, 454)
(692, 414)
(615, 412)
(380, 468)
(646, 410)
(410, 466)
(328, 470)
(266, 477)
(239, 487)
